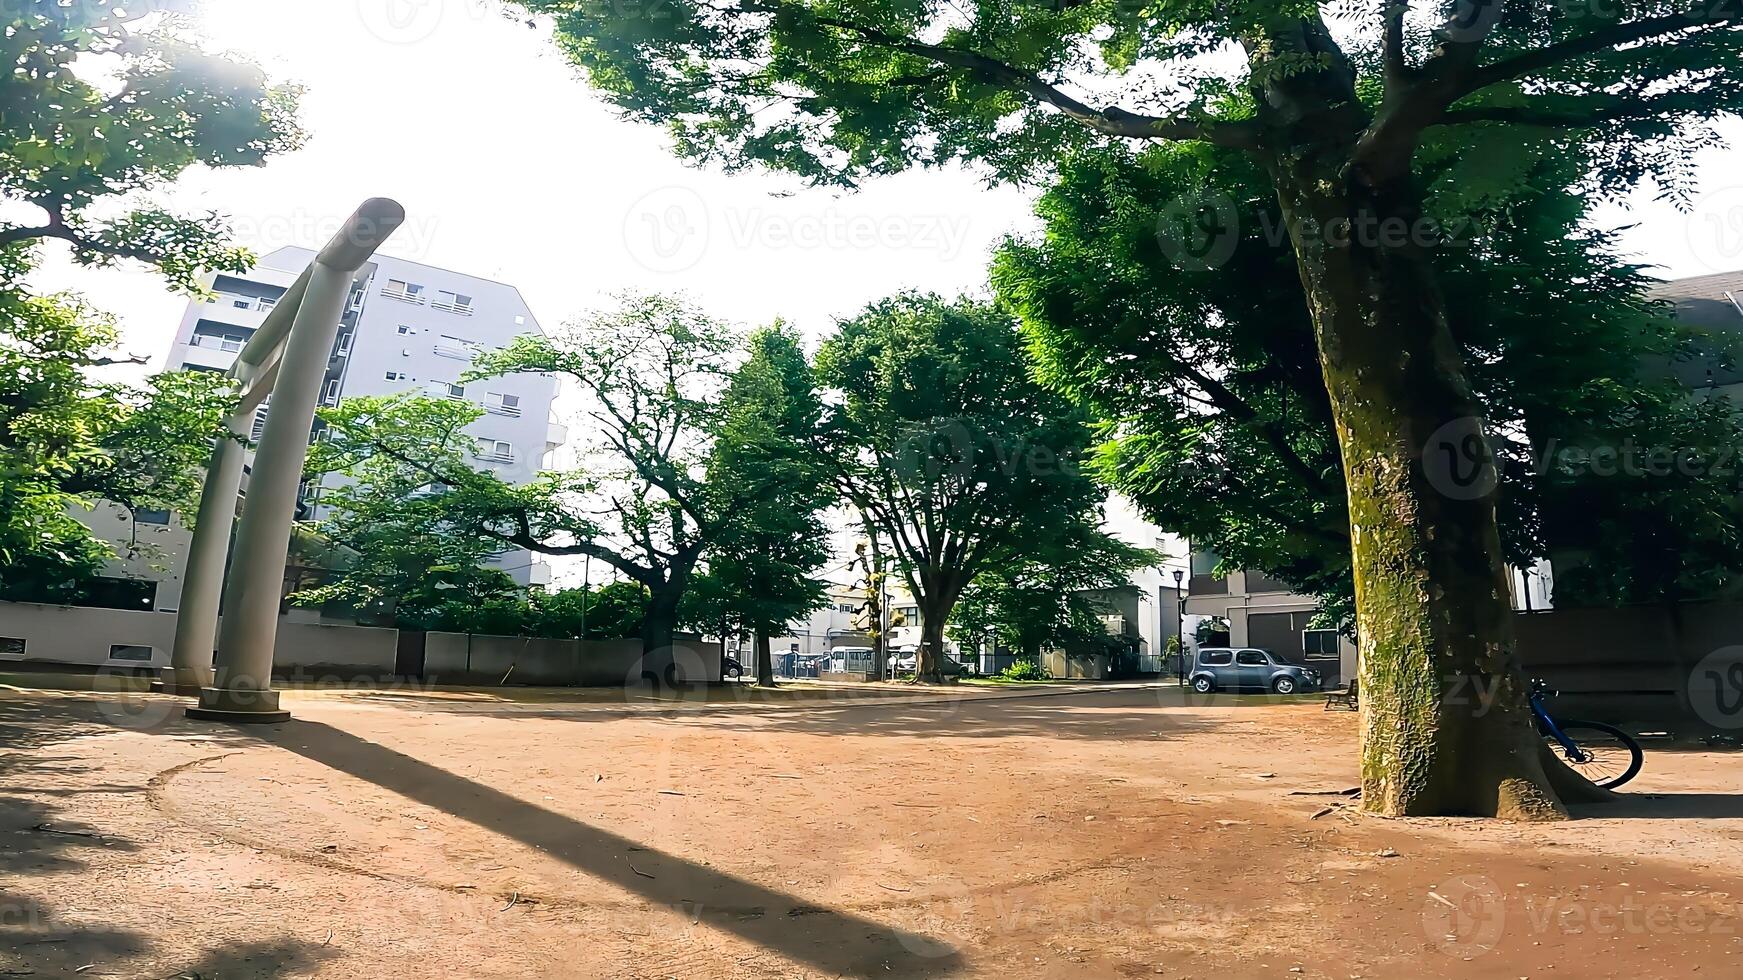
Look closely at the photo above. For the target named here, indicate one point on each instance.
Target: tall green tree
(1231, 440)
(1334, 104)
(653, 495)
(956, 457)
(94, 113)
(764, 564)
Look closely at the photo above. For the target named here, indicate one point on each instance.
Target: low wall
(334, 651)
(472, 658)
(85, 635)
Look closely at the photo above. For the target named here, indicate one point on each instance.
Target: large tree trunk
(660, 659)
(1445, 724)
(936, 597)
(765, 660)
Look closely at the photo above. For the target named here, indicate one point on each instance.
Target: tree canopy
(1229, 439)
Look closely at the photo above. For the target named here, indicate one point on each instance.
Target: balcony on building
(556, 436)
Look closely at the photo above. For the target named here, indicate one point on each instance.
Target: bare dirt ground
(1118, 833)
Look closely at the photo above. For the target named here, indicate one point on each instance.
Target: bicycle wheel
(1606, 755)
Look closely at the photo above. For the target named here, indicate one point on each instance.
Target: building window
(452, 302)
(409, 292)
(496, 449)
(395, 376)
(12, 647)
(130, 652)
(456, 391)
(330, 392)
(1320, 643)
(150, 515)
(520, 321)
(503, 404)
(266, 304)
(403, 329)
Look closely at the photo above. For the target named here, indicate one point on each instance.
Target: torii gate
(286, 359)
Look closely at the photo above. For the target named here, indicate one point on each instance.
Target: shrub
(1024, 670)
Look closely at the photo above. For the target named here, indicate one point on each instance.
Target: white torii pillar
(287, 359)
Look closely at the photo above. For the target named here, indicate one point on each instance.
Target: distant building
(406, 327)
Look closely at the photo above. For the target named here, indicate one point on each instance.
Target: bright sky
(510, 168)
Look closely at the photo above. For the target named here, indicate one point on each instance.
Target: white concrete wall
(81, 635)
(84, 635)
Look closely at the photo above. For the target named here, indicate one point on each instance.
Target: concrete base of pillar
(172, 681)
(240, 706)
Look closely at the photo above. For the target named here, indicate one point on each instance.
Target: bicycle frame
(1547, 726)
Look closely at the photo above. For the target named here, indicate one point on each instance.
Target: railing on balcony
(208, 341)
(463, 309)
(403, 295)
(512, 411)
(456, 352)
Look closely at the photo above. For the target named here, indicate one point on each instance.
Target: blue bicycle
(1604, 754)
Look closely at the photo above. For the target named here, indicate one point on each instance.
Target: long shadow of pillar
(837, 943)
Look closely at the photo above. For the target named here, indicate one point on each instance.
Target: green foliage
(611, 611)
(692, 462)
(956, 457)
(1024, 670)
(1053, 595)
(94, 112)
(837, 93)
(69, 141)
(69, 438)
(1229, 437)
(763, 467)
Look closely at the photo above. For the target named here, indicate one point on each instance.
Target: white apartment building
(407, 327)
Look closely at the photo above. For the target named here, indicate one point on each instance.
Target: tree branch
(1111, 121)
(1616, 35)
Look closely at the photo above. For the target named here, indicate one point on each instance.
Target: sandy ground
(1119, 833)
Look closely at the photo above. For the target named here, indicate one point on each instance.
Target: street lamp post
(1180, 623)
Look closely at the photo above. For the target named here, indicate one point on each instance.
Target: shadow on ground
(834, 942)
(38, 840)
